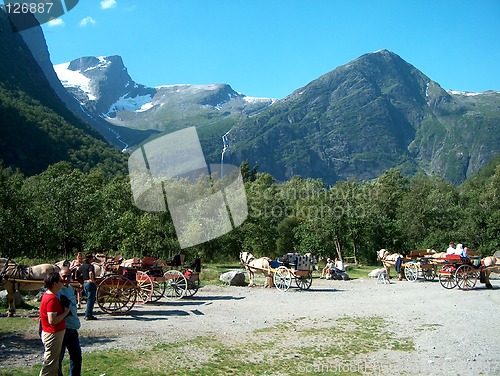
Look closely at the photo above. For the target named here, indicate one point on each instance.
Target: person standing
(89, 287)
(75, 265)
(53, 325)
(71, 339)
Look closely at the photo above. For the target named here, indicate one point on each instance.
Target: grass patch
(19, 325)
(293, 347)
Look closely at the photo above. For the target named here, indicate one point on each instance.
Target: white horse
(491, 264)
(389, 260)
(23, 278)
(256, 265)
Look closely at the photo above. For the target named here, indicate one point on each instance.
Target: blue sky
(269, 48)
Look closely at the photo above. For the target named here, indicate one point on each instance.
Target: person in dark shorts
(89, 287)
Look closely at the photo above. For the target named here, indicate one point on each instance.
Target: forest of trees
(62, 210)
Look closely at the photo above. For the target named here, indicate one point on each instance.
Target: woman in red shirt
(52, 316)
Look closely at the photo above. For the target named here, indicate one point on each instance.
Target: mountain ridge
(373, 113)
(103, 86)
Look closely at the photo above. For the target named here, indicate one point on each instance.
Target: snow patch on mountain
(139, 103)
(258, 100)
(75, 79)
(470, 93)
(103, 63)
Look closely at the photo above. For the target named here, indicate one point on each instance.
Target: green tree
(14, 224)
(429, 213)
(480, 213)
(265, 212)
(64, 203)
(387, 193)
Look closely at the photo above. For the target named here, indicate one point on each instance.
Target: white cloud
(55, 22)
(87, 21)
(106, 4)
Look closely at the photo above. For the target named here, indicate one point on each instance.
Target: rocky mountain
(36, 127)
(119, 137)
(374, 113)
(371, 114)
(103, 86)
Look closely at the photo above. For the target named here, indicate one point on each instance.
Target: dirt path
(455, 332)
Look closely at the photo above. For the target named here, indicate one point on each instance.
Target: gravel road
(455, 332)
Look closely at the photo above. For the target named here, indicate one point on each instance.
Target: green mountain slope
(36, 129)
(374, 113)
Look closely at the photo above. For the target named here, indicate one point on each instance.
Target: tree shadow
(17, 345)
(142, 315)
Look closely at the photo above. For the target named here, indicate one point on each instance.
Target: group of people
(336, 266)
(59, 322)
(458, 250)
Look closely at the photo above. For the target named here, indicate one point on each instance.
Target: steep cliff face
(102, 84)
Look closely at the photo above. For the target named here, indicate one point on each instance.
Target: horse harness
(13, 270)
(249, 259)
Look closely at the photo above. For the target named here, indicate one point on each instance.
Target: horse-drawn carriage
(459, 271)
(284, 270)
(413, 266)
(120, 283)
(184, 281)
(416, 265)
(145, 280)
(453, 270)
(121, 287)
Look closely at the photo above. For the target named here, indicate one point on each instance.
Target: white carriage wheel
(282, 278)
(411, 271)
(144, 287)
(175, 284)
(466, 277)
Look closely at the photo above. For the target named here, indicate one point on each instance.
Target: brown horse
(491, 264)
(256, 265)
(389, 260)
(22, 278)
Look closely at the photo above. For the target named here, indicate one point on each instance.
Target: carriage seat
(149, 261)
(177, 260)
(194, 266)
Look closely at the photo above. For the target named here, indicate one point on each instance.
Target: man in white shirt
(451, 249)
